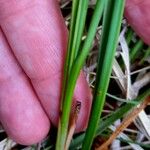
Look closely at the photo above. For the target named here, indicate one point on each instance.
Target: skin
(33, 40)
(137, 13)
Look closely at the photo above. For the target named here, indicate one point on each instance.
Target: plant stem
(69, 57)
(73, 75)
(112, 23)
(146, 55)
(105, 123)
(135, 50)
(79, 27)
(129, 36)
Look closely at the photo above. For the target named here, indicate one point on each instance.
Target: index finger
(38, 36)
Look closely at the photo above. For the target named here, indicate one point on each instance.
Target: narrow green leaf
(71, 80)
(129, 35)
(70, 56)
(105, 123)
(110, 33)
(146, 55)
(79, 27)
(136, 49)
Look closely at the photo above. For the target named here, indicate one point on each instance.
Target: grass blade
(79, 27)
(105, 123)
(106, 56)
(135, 50)
(61, 137)
(129, 36)
(125, 123)
(69, 57)
(146, 55)
(72, 78)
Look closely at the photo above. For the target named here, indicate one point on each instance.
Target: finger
(20, 112)
(38, 37)
(137, 13)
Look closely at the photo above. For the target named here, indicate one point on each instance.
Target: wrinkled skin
(33, 40)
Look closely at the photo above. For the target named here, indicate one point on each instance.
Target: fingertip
(29, 136)
(137, 14)
(83, 116)
(21, 114)
(83, 94)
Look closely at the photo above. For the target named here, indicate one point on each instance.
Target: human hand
(137, 13)
(33, 40)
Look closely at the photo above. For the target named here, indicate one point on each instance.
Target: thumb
(137, 13)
